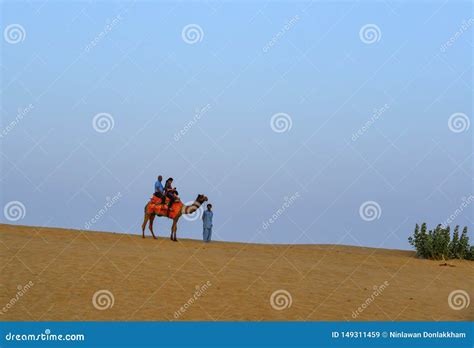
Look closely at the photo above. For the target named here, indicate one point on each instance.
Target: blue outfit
(159, 187)
(207, 225)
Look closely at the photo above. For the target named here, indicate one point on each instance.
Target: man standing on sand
(207, 224)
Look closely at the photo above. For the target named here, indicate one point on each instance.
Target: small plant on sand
(437, 244)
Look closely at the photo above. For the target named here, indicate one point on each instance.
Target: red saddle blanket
(157, 207)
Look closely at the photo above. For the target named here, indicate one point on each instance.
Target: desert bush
(437, 244)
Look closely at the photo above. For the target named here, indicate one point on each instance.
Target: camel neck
(192, 208)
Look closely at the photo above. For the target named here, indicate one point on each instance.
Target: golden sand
(58, 271)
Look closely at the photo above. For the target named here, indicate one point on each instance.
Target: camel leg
(145, 220)
(150, 225)
(174, 227)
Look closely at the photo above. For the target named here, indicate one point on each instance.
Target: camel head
(201, 198)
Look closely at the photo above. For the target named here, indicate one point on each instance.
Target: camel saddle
(156, 206)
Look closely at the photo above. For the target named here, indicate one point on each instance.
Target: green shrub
(437, 244)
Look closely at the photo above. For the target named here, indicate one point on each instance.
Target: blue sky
(309, 63)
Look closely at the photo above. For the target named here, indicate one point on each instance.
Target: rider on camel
(170, 191)
(159, 189)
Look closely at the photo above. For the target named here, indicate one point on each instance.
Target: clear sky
(364, 95)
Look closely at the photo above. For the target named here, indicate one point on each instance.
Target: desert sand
(58, 271)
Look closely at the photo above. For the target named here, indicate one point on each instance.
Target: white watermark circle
(458, 300)
(459, 122)
(103, 122)
(194, 216)
(192, 33)
(14, 33)
(370, 211)
(14, 211)
(281, 122)
(103, 299)
(370, 33)
(280, 300)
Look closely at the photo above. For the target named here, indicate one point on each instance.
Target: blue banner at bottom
(236, 334)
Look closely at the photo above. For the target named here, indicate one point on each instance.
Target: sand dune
(59, 271)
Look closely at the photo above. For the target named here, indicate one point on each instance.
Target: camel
(186, 209)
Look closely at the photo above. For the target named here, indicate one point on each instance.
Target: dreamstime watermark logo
(465, 25)
(288, 25)
(370, 211)
(45, 336)
(370, 33)
(281, 122)
(458, 300)
(280, 300)
(103, 122)
(103, 299)
(109, 26)
(466, 202)
(110, 202)
(21, 291)
(200, 290)
(197, 214)
(377, 292)
(14, 211)
(192, 33)
(377, 113)
(288, 202)
(459, 122)
(22, 112)
(14, 33)
(187, 127)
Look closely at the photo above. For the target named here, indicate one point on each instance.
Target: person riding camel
(160, 190)
(170, 192)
